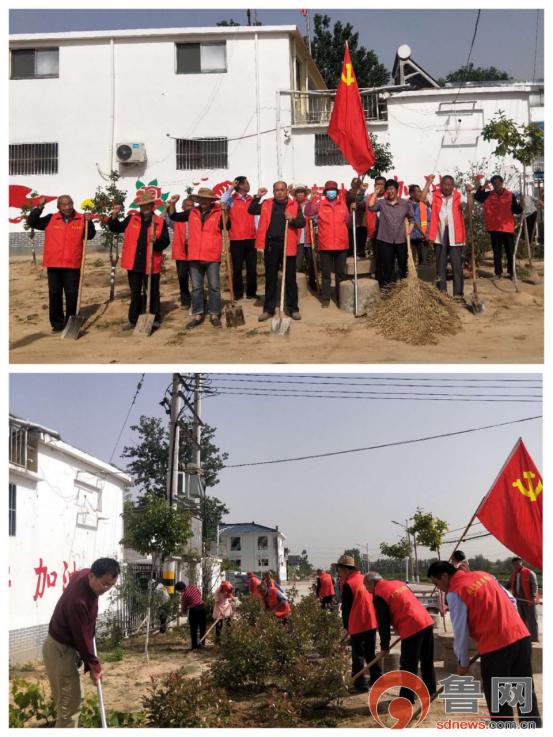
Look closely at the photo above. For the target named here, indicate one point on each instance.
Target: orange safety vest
(498, 214)
(370, 221)
(242, 224)
(362, 616)
(205, 240)
(180, 241)
(292, 207)
(333, 231)
(63, 242)
(130, 240)
(408, 615)
(326, 587)
(458, 220)
(254, 583)
(423, 210)
(281, 609)
(493, 621)
(525, 585)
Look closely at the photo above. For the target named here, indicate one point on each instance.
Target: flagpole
(307, 20)
(355, 295)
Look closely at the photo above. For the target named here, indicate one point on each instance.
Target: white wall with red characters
(67, 514)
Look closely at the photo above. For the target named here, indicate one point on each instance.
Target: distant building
(65, 510)
(253, 547)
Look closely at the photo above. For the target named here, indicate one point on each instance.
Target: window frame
(263, 547)
(319, 137)
(53, 158)
(12, 509)
(203, 161)
(199, 44)
(34, 49)
(239, 548)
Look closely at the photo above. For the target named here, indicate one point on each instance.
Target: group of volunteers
(313, 229)
(501, 625)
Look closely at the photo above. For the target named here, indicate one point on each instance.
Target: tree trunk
(113, 259)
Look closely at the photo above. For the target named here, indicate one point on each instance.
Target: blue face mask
(331, 194)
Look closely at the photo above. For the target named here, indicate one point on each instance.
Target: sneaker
(264, 316)
(195, 322)
(497, 277)
(185, 304)
(295, 316)
(216, 322)
(57, 329)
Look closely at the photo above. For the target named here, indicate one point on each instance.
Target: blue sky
(439, 39)
(328, 504)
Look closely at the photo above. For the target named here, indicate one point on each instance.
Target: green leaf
(165, 196)
(154, 182)
(139, 184)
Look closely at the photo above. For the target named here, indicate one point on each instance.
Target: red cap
(330, 185)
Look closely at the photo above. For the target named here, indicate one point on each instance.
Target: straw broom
(414, 311)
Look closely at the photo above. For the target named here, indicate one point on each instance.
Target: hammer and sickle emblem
(348, 77)
(530, 492)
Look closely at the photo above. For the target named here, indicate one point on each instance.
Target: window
(202, 153)
(34, 63)
(33, 158)
(12, 505)
(262, 542)
(235, 543)
(237, 563)
(327, 152)
(201, 58)
(263, 562)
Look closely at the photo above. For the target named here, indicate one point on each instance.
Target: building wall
(249, 555)
(58, 530)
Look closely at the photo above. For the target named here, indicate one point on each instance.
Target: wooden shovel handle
(373, 662)
(282, 286)
(220, 619)
(228, 257)
(152, 239)
(81, 276)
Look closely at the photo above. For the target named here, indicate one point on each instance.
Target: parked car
(239, 581)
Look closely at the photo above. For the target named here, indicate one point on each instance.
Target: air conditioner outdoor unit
(130, 153)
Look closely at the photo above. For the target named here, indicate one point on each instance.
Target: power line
(468, 57)
(467, 539)
(383, 445)
(230, 391)
(350, 377)
(536, 44)
(138, 388)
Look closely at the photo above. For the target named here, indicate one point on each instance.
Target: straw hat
(300, 188)
(204, 193)
(346, 560)
(146, 198)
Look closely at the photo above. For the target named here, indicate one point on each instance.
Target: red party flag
(347, 123)
(512, 509)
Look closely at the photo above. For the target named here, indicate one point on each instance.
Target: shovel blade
(477, 307)
(284, 328)
(72, 330)
(238, 316)
(275, 325)
(144, 325)
(229, 318)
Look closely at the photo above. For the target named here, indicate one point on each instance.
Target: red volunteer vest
(242, 224)
(423, 209)
(263, 226)
(279, 608)
(408, 615)
(498, 216)
(362, 616)
(63, 242)
(524, 583)
(180, 237)
(205, 240)
(370, 222)
(458, 220)
(333, 231)
(493, 621)
(254, 583)
(308, 226)
(130, 239)
(327, 586)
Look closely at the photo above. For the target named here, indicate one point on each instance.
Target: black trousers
(136, 280)
(502, 241)
(443, 252)
(273, 260)
(219, 628)
(240, 252)
(361, 237)
(419, 249)
(326, 602)
(196, 622)
(304, 264)
(183, 273)
(386, 256)
(332, 261)
(530, 223)
(62, 282)
(415, 650)
(363, 650)
(513, 661)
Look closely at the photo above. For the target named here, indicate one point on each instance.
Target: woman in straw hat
(135, 254)
(205, 246)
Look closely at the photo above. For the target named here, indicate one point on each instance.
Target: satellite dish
(404, 52)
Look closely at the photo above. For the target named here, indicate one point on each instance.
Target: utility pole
(198, 470)
(168, 572)
(308, 21)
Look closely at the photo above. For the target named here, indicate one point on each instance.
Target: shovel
(281, 325)
(314, 256)
(145, 323)
(100, 693)
(234, 315)
(75, 322)
(373, 662)
(475, 304)
(209, 630)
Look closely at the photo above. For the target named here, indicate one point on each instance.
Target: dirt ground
(509, 331)
(126, 681)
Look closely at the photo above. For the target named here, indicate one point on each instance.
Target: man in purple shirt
(391, 242)
(70, 638)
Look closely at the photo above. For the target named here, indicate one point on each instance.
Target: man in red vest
(61, 255)
(276, 214)
(179, 250)
(306, 249)
(324, 588)
(524, 587)
(205, 246)
(419, 246)
(333, 219)
(481, 609)
(499, 207)
(447, 232)
(136, 255)
(242, 238)
(275, 600)
(253, 582)
(359, 620)
(396, 605)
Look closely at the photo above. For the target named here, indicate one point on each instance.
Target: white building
(193, 106)
(65, 510)
(253, 547)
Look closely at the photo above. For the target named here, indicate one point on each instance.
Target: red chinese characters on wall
(46, 579)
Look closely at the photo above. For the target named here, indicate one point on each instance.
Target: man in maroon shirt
(70, 638)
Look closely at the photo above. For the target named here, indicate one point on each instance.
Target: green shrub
(30, 703)
(111, 656)
(246, 656)
(177, 701)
